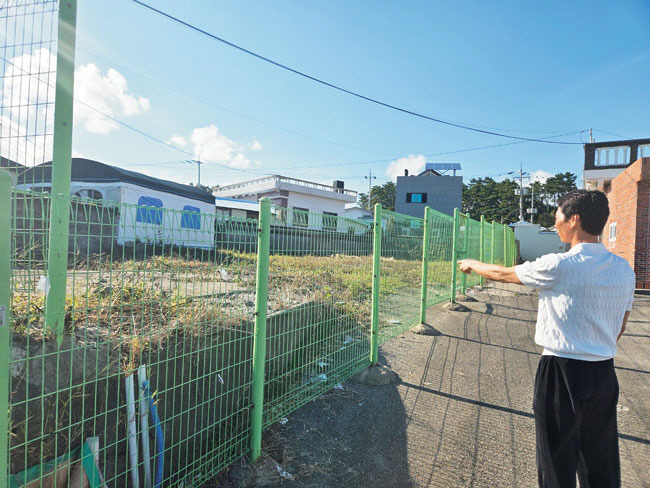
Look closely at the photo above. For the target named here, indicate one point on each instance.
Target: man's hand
(466, 265)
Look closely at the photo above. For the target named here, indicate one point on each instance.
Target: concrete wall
(534, 242)
(444, 193)
(629, 206)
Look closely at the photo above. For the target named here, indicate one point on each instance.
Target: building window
(644, 151)
(149, 210)
(416, 198)
(329, 220)
(300, 217)
(89, 193)
(612, 232)
(612, 156)
(191, 217)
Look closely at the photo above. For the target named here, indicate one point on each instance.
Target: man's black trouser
(575, 423)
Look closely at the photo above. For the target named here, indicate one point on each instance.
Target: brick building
(627, 232)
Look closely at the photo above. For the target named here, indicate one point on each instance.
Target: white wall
(317, 205)
(171, 231)
(534, 242)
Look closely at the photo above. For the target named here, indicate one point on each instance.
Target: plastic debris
(283, 474)
(348, 339)
(284, 420)
(224, 274)
(322, 364)
(394, 322)
(44, 285)
(321, 377)
(220, 378)
(338, 386)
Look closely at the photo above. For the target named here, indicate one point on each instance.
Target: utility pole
(521, 193)
(532, 201)
(198, 166)
(370, 178)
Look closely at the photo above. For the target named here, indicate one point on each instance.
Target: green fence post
(492, 244)
(505, 245)
(259, 338)
(482, 246)
(466, 252)
(425, 264)
(376, 263)
(57, 261)
(5, 322)
(454, 256)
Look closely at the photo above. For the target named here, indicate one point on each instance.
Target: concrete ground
(462, 412)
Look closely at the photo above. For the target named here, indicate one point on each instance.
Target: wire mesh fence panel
(319, 306)
(473, 249)
(147, 288)
(28, 43)
(498, 245)
(400, 273)
(441, 235)
(487, 242)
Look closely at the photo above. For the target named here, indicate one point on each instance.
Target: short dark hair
(591, 206)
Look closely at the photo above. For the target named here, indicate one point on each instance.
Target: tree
(496, 200)
(384, 194)
(204, 187)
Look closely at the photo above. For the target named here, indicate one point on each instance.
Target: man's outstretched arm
(492, 272)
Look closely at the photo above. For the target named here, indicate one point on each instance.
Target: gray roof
(87, 170)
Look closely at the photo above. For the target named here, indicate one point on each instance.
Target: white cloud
(255, 145)
(28, 94)
(415, 165)
(176, 140)
(540, 176)
(28, 108)
(211, 145)
(108, 94)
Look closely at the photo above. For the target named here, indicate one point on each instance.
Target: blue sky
(526, 69)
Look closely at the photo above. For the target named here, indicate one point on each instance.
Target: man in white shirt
(585, 298)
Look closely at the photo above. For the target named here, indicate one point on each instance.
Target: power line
(457, 151)
(248, 117)
(612, 134)
(337, 87)
(124, 124)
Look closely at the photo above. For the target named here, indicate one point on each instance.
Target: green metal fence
(145, 295)
(146, 346)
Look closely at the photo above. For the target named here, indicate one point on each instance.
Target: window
(149, 210)
(300, 217)
(644, 151)
(329, 220)
(416, 198)
(612, 231)
(612, 156)
(89, 193)
(191, 217)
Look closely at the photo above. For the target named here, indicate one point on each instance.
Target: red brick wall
(629, 205)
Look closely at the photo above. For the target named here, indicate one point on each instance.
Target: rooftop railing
(276, 179)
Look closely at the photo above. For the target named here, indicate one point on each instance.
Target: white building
(151, 209)
(356, 211)
(604, 161)
(535, 241)
(234, 207)
(300, 198)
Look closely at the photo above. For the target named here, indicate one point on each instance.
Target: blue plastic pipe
(160, 441)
